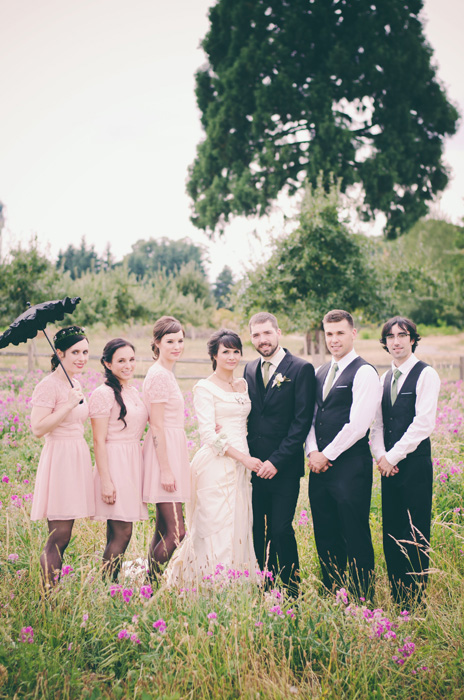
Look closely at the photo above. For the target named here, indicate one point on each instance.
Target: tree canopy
(317, 267)
(78, 261)
(340, 86)
(149, 256)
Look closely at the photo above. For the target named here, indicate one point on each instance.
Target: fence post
(30, 356)
(461, 367)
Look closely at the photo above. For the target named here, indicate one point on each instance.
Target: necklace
(224, 381)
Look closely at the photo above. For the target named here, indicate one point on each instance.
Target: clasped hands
(318, 462)
(385, 468)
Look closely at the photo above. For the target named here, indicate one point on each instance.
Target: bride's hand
(252, 463)
(168, 481)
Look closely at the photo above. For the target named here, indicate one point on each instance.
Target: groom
(282, 392)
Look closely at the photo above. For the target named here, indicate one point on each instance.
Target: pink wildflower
(146, 591)
(160, 625)
(27, 635)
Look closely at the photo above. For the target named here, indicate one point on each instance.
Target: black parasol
(34, 319)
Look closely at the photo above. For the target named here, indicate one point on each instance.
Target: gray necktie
(394, 389)
(330, 380)
(266, 368)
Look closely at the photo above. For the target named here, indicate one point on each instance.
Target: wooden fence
(32, 356)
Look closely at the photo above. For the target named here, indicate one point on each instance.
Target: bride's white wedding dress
(219, 516)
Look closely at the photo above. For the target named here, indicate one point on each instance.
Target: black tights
(51, 558)
(118, 534)
(169, 533)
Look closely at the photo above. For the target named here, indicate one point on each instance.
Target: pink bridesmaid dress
(124, 450)
(64, 481)
(160, 386)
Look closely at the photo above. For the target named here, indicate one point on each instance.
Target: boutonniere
(279, 379)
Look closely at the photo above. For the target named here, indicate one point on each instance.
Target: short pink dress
(124, 450)
(160, 386)
(64, 481)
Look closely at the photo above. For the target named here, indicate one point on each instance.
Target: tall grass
(226, 637)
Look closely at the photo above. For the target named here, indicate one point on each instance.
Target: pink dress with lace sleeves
(64, 481)
(124, 450)
(160, 386)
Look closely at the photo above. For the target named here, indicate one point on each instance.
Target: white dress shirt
(275, 361)
(367, 395)
(427, 390)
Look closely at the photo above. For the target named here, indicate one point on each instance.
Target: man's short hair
(263, 317)
(337, 315)
(405, 324)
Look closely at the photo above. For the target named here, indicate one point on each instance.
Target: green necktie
(266, 367)
(394, 389)
(330, 380)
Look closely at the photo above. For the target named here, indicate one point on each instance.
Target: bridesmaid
(165, 453)
(119, 418)
(64, 484)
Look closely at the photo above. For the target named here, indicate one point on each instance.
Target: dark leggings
(51, 558)
(118, 535)
(169, 533)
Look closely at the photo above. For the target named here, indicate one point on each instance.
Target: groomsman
(401, 444)
(281, 388)
(340, 483)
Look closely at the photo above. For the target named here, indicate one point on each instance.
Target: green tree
(294, 88)
(317, 267)
(149, 256)
(27, 275)
(222, 288)
(421, 274)
(77, 261)
(190, 280)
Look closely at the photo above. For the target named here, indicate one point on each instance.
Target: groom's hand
(318, 462)
(267, 471)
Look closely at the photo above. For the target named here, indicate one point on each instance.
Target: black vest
(398, 418)
(334, 412)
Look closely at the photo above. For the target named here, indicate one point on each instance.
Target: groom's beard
(266, 349)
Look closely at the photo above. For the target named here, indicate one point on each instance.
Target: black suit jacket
(281, 417)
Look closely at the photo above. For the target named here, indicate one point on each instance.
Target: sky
(98, 124)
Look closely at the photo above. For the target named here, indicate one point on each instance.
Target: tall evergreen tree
(292, 88)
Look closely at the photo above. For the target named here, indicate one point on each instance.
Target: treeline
(320, 264)
(158, 277)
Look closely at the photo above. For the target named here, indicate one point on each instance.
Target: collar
(407, 366)
(276, 359)
(344, 362)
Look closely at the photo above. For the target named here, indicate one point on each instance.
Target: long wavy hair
(65, 339)
(112, 381)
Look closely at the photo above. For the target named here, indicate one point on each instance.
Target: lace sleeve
(101, 402)
(203, 401)
(44, 394)
(158, 387)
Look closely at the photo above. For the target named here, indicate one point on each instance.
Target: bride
(219, 516)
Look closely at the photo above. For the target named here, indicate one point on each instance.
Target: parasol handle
(61, 364)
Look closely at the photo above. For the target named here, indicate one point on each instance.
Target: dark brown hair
(64, 339)
(337, 315)
(225, 337)
(163, 326)
(112, 381)
(405, 324)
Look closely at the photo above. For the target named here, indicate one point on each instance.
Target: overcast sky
(98, 122)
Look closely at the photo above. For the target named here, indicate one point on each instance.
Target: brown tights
(169, 533)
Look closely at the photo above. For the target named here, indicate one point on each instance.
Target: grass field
(226, 637)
